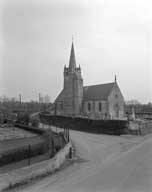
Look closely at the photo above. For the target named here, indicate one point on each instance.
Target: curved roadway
(103, 163)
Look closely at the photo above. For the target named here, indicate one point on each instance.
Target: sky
(110, 37)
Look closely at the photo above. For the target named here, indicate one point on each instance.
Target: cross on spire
(115, 78)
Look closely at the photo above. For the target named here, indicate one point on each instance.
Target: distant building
(44, 99)
(103, 101)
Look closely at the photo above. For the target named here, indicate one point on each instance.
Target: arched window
(100, 107)
(89, 107)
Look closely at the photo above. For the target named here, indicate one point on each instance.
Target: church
(103, 101)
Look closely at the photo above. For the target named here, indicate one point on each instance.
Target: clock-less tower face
(73, 87)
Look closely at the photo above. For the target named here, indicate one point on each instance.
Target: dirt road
(102, 163)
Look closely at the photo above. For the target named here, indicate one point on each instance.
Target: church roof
(97, 92)
(60, 96)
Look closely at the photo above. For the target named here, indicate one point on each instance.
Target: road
(103, 163)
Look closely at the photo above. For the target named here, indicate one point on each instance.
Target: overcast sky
(110, 37)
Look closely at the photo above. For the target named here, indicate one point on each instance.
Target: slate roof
(93, 92)
(97, 92)
(60, 96)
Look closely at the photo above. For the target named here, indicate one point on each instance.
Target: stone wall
(94, 111)
(140, 127)
(116, 104)
(146, 128)
(73, 92)
(113, 108)
(25, 174)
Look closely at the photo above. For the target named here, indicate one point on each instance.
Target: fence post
(64, 131)
(53, 148)
(29, 155)
(68, 135)
(71, 152)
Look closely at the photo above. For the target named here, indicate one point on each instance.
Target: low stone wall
(147, 128)
(25, 174)
(140, 127)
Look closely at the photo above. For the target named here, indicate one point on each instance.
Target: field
(17, 144)
(14, 144)
(9, 132)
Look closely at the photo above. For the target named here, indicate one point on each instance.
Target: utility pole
(39, 98)
(39, 101)
(20, 98)
(29, 155)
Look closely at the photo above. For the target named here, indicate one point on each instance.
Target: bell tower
(73, 87)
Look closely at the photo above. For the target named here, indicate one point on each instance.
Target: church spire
(72, 61)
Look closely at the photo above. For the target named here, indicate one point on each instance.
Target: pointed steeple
(72, 61)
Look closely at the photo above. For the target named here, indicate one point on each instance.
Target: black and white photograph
(76, 95)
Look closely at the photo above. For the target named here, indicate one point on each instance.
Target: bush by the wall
(36, 130)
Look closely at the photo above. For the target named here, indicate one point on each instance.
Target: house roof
(97, 92)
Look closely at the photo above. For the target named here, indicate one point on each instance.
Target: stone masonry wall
(116, 104)
(94, 111)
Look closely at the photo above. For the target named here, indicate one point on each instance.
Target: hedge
(112, 127)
